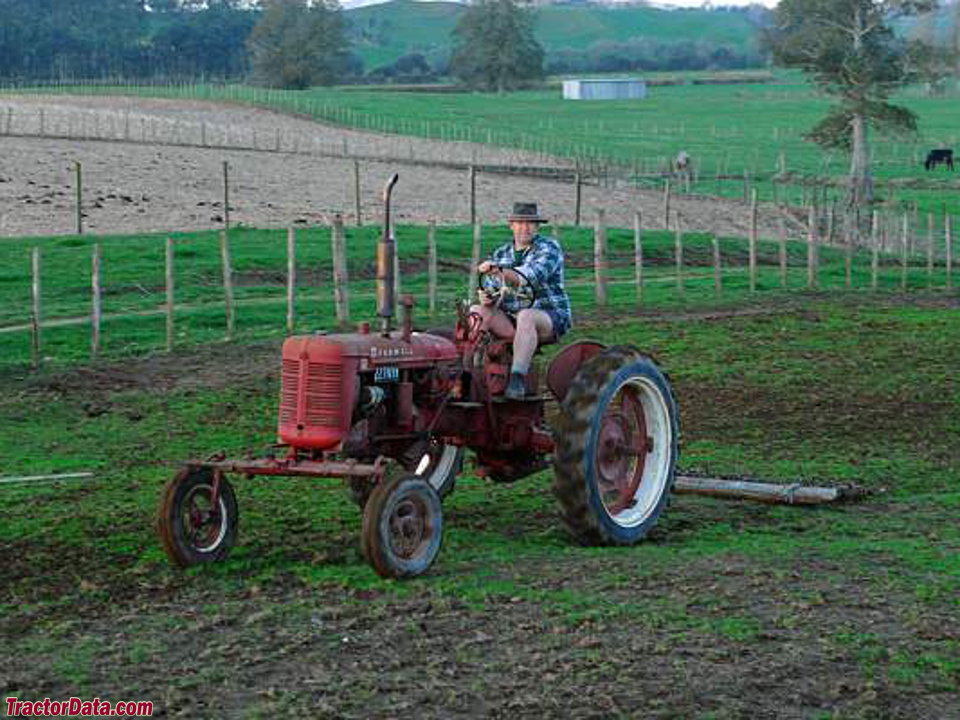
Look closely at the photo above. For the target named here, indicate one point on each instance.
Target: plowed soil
(136, 186)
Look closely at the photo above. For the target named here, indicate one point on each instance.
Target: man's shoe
(517, 387)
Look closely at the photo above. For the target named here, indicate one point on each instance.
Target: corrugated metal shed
(605, 89)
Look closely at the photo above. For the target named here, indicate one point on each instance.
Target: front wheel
(402, 527)
(192, 527)
(617, 448)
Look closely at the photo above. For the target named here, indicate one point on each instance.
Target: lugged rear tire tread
(573, 429)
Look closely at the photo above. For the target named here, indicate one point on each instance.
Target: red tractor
(392, 412)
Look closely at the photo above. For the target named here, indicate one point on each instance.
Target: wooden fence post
(79, 187)
(717, 269)
(226, 195)
(472, 177)
(753, 240)
(432, 264)
(666, 204)
(356, 192)
(875, 250)
(341, 292)
(930, 233)
(36, 344)
(678, 251)
(812, 254)
(600, 258)
(227, 282)
(782, 228)
(96, 304)
(638, 253)
(475, 257)
(397, 280)
(578, 181)
(170, 292)
(904, 246)
(291, 280)
(948, 240)
(848, 238)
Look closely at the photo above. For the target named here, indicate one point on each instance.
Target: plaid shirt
(541, 265)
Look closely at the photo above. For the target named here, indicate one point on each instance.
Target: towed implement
(392, 412)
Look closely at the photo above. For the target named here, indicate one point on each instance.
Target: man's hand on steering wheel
(496, 282)
(491, 284)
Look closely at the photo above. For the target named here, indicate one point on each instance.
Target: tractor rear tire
(190, 531)
(617, 447)
(402, 527)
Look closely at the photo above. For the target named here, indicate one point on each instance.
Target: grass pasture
(731, 610)
(728, 130)
(133, 281)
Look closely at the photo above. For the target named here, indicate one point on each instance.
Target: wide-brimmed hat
(525, 212)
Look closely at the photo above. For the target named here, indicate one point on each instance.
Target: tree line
(63, 40)
(298, 43)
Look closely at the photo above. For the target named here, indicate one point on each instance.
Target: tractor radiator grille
(290, 389)
(324, 403)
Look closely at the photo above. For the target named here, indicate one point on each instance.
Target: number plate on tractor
(387, 375)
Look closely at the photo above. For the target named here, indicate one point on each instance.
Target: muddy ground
(132, 185)
(730, 610)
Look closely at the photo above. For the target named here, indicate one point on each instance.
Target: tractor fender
(565, 364)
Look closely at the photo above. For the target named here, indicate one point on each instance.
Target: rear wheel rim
(632, 461)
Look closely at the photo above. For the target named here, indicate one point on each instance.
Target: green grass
(727, 129)
(134, 286)
(834, 389)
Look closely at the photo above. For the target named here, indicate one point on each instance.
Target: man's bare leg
(533, 327)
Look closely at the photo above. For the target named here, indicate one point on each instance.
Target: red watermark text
(75, 707)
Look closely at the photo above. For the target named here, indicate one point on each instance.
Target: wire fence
(729, 173)
(781, 194)
(77, 299)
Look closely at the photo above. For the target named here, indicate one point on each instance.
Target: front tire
(402, 527)
(617, 448)
(192, 530)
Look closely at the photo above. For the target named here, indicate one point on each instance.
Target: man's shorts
(561, 324)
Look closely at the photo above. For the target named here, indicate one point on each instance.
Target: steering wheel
(492, 285)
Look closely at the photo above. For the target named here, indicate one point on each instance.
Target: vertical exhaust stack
(385, 252)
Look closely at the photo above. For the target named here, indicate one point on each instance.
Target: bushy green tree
(298, 43)
(852, 53)
(494, 46)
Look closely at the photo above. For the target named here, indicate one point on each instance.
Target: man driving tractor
(537, 308)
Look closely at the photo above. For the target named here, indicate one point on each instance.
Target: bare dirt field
(138, 186)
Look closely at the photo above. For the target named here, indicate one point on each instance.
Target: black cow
(936, 157)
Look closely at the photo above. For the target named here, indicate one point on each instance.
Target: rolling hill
(383, 33)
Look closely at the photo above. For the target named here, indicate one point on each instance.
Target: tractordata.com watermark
(75, 707)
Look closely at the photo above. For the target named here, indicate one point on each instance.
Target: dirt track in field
(132, 187)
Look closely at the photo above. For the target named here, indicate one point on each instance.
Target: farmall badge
(389, 353)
